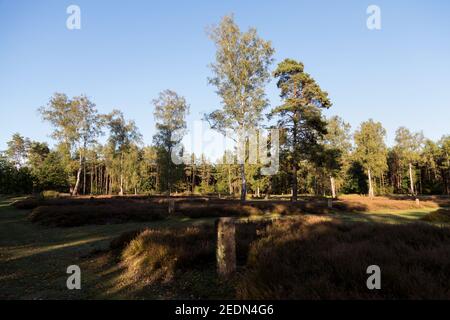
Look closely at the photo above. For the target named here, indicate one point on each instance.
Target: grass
(34, 258)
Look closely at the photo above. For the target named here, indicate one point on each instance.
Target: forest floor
(34, 258)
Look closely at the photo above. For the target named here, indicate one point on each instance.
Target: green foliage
(50, 174)
(76, 123)
(170, 114)
(300, 114)
(240, 73)
(14, 180)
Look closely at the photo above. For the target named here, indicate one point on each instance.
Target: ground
(34, 259)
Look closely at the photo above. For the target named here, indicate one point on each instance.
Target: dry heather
(362, 203)
(217, 210)
(78, 215)
(440, 216)
(318, 258)
(157, 255)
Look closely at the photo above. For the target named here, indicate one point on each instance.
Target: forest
(318, 156)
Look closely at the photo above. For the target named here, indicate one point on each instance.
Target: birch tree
(240, 73)
(371, 150)
(76, 123)
(337, 145)
(123, 136)
(408, 147)
(170, 114)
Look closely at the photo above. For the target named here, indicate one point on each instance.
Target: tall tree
(240, 73)
(444, 162)
(170, 114)
(371, 150)
(337, 147)
(76, 123)
(300, 114)
(17, 150)
(408, 147)
(123, 135)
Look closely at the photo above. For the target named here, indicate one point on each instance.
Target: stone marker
(226, 246)
(417, 202)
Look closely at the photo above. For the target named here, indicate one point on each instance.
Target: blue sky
(128, 51)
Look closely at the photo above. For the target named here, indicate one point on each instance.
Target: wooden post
(171, 207)
(226, 247)
(330, 203)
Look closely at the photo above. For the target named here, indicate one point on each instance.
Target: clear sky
(128, 51)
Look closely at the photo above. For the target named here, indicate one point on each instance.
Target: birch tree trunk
(230, 187)
(121, 175)
(333, 187)
(77, 184)
(371, 193)
(411, 180)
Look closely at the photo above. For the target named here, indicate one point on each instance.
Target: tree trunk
(333, 187)
(77, 184)
(91, 188)
(371, 193)
(411, 180)
(244, 183)
(169, 182)
(193, 179)
(121, 185)
(121, 175)
(84, 177)
(230, 187)
(294, 182)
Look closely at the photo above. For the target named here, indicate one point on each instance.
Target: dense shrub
(78, 215)
(319, 258)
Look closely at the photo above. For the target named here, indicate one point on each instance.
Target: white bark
(77, 184)
(333, 187)
(371, 193)
(411, 180)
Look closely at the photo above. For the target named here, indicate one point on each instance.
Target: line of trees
(317, 155)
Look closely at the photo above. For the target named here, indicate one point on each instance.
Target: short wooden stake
(330, 203)
(171, 206)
